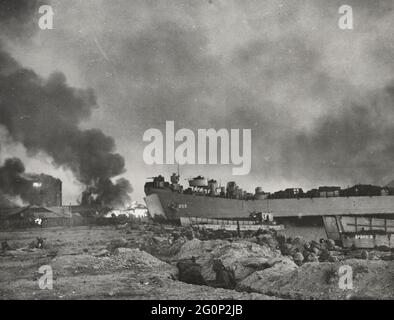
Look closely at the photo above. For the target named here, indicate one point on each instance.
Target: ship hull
(177, 204)
(307, 217)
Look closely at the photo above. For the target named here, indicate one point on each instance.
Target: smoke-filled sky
(319, 100)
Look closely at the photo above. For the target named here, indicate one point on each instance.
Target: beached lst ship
(361, 216)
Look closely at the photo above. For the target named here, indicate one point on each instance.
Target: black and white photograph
(197, 150)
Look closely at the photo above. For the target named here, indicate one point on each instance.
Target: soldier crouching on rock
(225, 278)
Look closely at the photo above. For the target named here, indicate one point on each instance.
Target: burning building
(43, 190)
(20, 188)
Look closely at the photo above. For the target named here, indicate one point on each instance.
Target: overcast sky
(318, 99)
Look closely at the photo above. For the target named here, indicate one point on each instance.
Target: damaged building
(33, 216)
(39, 190)
(43, 190)
(19, 188)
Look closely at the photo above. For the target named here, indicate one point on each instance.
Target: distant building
(33, 189)
(134, 210)
(43, 190)
(35, 216)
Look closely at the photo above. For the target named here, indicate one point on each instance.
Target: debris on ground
(321, 281)
(116, 243)
(158, 261)
(121, 259)
(38, 243)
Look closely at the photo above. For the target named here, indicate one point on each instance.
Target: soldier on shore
(225, 278)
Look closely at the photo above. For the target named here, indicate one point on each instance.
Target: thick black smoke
(354, 146)
(106, 193)
(19, 18)
(12, 181)
(45, 115)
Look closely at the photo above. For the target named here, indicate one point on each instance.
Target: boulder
(137, 256)
(312, 257)
(103, 253)
(131, 260)
(160, 240)
(268, 239)
(266, 277)
(330, 244)
(116, 243)
(242, 257)
(298, 258)
(365, 255)
(384, 248)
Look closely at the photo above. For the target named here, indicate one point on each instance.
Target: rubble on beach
(158, 261)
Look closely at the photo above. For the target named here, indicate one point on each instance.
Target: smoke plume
(12, 182)
(357, 144)
(313, 94)
(45, 116)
